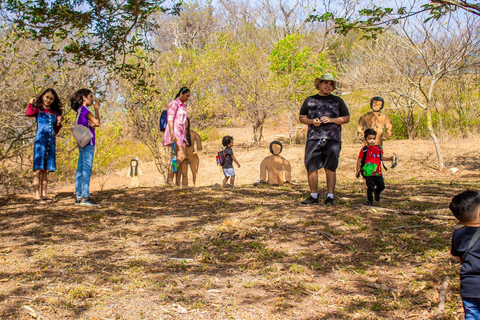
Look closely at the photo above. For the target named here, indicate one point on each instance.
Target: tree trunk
(441, 165)
(258, 132)
(255, 134)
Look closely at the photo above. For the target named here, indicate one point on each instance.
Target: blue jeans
(84, 171)
(471, 306)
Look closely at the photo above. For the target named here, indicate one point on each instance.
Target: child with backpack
(369, 164)
(226, 159)
(466, 208)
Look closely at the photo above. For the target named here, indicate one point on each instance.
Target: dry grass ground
(243, 253)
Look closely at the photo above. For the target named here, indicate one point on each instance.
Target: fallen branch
(326, 235)
(416, 213)
(443, 295)
(378, 286)
(405, 227)
(382, 287)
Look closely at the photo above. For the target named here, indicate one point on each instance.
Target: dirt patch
(243, 253)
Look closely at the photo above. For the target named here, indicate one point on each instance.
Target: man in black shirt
(324, 114)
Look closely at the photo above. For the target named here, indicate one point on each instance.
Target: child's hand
(238, 165)
(32, 101)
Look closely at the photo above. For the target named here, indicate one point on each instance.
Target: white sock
(330, 195)
(314, 195)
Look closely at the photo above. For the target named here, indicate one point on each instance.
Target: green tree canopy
(91, 30)
(375, 19)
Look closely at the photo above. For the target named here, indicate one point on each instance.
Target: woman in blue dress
(48, 110)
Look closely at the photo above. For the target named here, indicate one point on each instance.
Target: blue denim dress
(44, 153)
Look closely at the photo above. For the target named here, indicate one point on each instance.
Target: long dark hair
(183, 90)
(55, 106)
(188, 136)
(76, 100)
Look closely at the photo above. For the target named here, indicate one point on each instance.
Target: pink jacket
(176, 112)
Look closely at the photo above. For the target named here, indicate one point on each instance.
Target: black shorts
(320, 155)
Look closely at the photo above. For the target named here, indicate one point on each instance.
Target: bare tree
(413, 59)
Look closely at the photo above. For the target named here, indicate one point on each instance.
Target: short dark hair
(227, 140)
(465, 206)
(369, 132)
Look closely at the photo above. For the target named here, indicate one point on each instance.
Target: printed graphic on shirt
(373, 161)
(330, 106)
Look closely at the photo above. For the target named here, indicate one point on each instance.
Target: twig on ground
(326, 235)
(443, 295)
(406, 227)
(417, 213)
(382, 287)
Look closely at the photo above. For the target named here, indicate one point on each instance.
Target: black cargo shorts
(322, 154)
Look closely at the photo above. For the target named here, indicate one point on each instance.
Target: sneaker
(78, 200)
(369, 203)
(88, 202)
(377, 196)
(329, 202)
(310, 200)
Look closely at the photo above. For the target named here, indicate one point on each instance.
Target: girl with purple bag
(81, 102)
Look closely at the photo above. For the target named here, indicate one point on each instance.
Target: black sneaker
(377, 196)
(310, 200)
(88, 202)
(329, 202)
(78, 200)
(369, 203)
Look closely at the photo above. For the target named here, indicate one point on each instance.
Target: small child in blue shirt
(465, 245)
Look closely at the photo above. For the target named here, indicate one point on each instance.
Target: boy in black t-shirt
(466, 208)
(324, 114)
(227, 167)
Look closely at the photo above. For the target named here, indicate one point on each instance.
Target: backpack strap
(224, 157)
(364, 157)
(474, 239)
(381, 160)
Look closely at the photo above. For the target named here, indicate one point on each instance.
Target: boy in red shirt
(369, 164)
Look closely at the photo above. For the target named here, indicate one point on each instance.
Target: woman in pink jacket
(176, 128)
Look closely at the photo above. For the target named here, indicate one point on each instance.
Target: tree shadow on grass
(146, 238)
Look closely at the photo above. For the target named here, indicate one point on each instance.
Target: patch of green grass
(80, 292)
(297, 268)
(137, 263)
(251, 284)
(269, 255)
